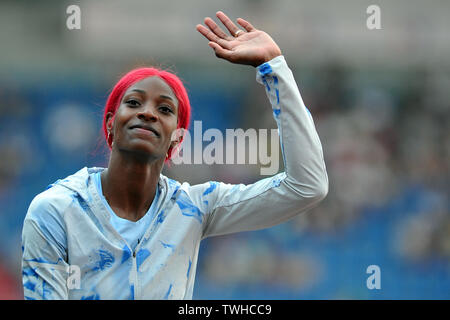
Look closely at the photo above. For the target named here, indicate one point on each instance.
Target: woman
(127, 231)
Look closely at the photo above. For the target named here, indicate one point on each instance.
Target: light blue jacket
(67, 234)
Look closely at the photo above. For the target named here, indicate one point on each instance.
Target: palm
(252, 47)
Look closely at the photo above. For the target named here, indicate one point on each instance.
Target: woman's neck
(129, 185)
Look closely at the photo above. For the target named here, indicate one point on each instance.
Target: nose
(148, 113)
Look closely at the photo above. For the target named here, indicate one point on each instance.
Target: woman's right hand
(249, 46)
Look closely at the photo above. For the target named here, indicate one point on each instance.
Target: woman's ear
(177, 137)
(109, 122)
(109, 129)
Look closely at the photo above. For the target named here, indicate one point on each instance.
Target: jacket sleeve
(44, 266)
(273, 200)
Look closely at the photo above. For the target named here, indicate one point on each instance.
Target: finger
(216, 29)
(246, 25)
(212, 37)
(227, 22)
(219, 51)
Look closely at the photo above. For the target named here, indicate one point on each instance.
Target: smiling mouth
(145, 128)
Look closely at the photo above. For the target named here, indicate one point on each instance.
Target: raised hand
(249, 46)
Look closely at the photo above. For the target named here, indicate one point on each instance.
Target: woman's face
(146, 118)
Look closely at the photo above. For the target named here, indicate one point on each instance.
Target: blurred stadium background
(380, 100)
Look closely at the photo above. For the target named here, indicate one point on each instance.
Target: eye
(165, 109)
(133, 102)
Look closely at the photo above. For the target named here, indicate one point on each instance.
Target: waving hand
(248, 46)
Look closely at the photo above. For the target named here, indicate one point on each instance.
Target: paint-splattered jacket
(163, 264)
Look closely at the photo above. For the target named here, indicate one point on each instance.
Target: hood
(79, 182)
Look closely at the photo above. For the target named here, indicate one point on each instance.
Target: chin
(145, 150)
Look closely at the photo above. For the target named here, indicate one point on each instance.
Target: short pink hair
(136, 75)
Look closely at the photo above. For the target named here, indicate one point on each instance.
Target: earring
(109, 138)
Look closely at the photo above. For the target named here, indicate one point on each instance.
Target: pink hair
(114, 98)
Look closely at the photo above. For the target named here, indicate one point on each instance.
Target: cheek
(121, 116)
(174, 126)
(118, 122)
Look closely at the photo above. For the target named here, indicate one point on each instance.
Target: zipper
(138, 246)
(135, 271)
(146, 235)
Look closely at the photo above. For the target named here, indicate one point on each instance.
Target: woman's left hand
(249, 46)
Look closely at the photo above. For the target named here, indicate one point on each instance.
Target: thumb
(220, 52)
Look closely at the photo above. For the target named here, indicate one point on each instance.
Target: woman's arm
(233, 208)
(44, 267)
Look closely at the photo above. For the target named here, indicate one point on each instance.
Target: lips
(145, 127)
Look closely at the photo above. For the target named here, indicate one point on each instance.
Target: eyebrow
(161, 95)
(139, 90)
(165, 97)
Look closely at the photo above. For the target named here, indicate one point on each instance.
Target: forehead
(153, 85)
